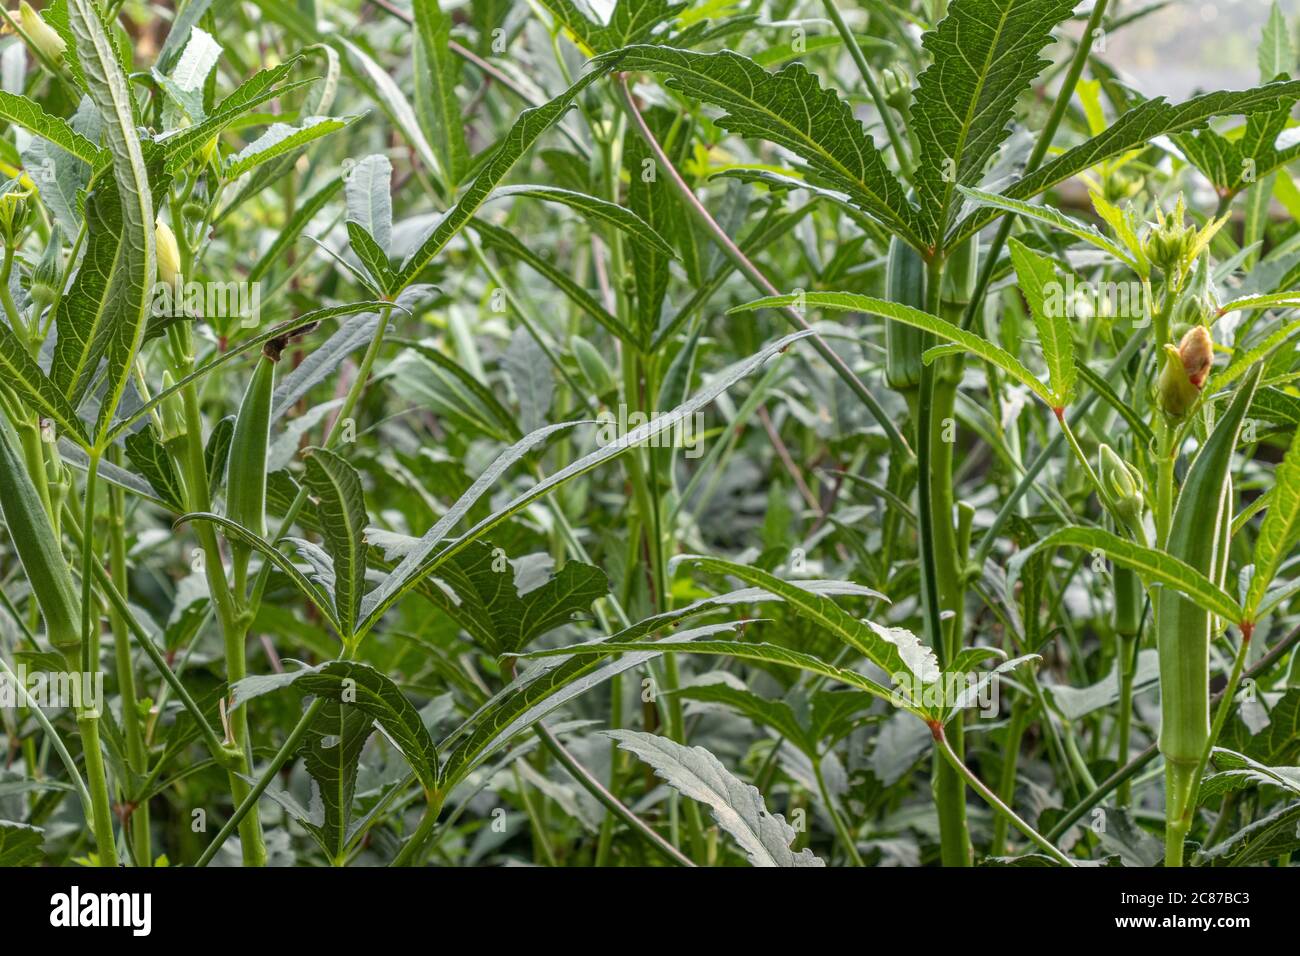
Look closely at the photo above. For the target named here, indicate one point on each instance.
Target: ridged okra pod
(246, 478)
(38, 548)
(904, 344)
(1196, 536)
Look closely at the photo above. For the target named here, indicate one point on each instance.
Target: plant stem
(841, 829)
(616, 808)
(1007, 781)
(757, 278)
(941, 743)
(287, 750)
(1134, 766)
(125, 668)
(873, 88)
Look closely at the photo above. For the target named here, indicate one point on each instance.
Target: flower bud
(1170, 241)
(169, 254)
(42, 35)
(1185, 370)
(897, 87)
(1122, 485)
(48, 273)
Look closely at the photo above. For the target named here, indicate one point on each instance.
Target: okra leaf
(1037, 275)
(793, 110)
(1134, 129)
(1264, 839)
(631, 21)
(507, 243)
(281, 138)
(596, 209)
(423, 560)
(283, 330)
(481, 393)
(183, 145)
(776, 714)
(1275, 54)
(105, 313)
(148, 456)
(851, 302)
(342, 505)
(1156, 567)
(358, 685)
(737, 806)
(437, 71)
(21, 844)
(655, 204)
(367, 190)
(1274, 300)
(499, 617)
(20, 111)
(217, 451)
(530, 125)
(984, 55)
(1237, 771)
(395, 104)
(1279, 530)
(741, 650)
(237, 532)
(24, 376)
(1057, 220)
(371, 254)
(286, 237)
(539, 691)
(331, 751)
(895, 650)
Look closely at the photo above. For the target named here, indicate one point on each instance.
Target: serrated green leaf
(1156, 567)
(1275, 54)
(489, 606)
(437, 71)
(281, 138)
(1036, 275)
(330, 752)
(793, 110)
(851, 302)
(342, 504)
(984, 54)
(1134, 129)
(148, 456)
(21, 844)
(20, 111)
(737, 807)
(105, 313)
(531, 124)
(600, 210)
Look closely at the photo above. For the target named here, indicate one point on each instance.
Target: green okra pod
(1198, 536)
(38, 547)
(246, 471)
(904, 344)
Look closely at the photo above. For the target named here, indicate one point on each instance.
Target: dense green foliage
(643, 433)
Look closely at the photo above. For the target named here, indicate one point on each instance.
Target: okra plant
(778, 432)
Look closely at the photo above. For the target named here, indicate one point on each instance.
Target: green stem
(1007, 781)
(873, 88)
(841, 828)
(758, 279)
(125, 667)
(946, 751)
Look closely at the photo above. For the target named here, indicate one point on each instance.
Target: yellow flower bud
(1185, 370)
(41, 34)
(169, 254)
